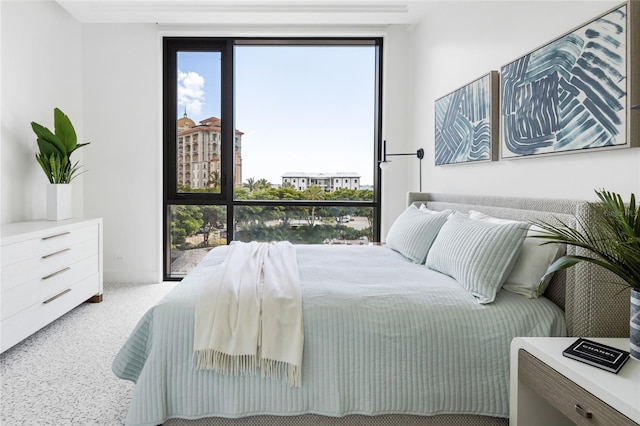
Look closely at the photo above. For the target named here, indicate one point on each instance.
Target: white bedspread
(382, 335)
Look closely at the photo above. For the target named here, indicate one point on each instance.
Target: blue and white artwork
(569, 95)
(463, 123)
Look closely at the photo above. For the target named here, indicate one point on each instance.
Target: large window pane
(308, 117)
(269, 140)
(194, 231)
(304, 224)
(199, 128)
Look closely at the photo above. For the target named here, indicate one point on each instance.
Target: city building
(199, 153)
(327, 181)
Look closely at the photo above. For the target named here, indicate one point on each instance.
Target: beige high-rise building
(199, 153)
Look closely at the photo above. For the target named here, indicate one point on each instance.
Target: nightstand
(550, 389)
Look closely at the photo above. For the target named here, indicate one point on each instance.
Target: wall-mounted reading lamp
(384, 164)
(636, 106)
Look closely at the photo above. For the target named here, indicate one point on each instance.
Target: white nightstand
(550, 389)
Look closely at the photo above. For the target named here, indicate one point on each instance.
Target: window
(242, 117)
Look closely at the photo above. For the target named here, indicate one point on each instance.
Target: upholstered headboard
(590, 296)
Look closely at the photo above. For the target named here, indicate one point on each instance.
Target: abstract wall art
(466, 123)
(571, 94)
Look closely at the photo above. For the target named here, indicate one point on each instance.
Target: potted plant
(613, 238)
(54, 156)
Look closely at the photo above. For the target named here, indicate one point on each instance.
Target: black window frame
(226, 197)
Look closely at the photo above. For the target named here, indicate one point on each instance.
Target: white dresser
(48, 268)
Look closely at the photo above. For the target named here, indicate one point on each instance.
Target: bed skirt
(353, 420)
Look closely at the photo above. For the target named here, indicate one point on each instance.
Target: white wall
(122, 104)
(459, 42)
(397, 179)
(41, 70)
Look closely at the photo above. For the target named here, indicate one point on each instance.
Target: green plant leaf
(39, 130)
(46, 168)
(54, 166)
(48, 136)
(46, 148)
(80, 145)
(74, 171)
(562, 263)
(64, 130)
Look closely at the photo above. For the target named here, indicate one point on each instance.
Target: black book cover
(596, 354)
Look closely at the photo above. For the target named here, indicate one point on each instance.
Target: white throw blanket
(250, 315)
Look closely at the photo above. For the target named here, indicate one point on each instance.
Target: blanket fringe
(246, 365)
(210, 359)
(273, 369)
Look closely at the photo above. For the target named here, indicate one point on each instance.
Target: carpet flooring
(62, 375)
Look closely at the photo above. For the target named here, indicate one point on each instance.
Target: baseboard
(142, 277)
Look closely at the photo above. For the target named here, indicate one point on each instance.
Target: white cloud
(190, 93)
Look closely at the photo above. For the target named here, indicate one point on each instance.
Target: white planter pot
(59, 206)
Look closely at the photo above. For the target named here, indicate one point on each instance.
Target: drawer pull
(584, 413)
(51, 299)
(57, 273)
(55, 235)
(46, 256)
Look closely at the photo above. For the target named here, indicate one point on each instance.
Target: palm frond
(611, 235)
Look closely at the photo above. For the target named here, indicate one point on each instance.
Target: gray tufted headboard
(590, 296)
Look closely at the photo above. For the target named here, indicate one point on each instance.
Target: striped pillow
(413, 232)
(477, 254)
(532, 262)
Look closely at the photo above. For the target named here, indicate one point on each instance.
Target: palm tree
(314, 193)
(250, 184)
(262, 184)
(214, 179)
(612, 236)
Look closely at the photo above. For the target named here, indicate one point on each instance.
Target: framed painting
(465, 129)
(571, 94)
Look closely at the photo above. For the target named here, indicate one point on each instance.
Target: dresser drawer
(35, 291)
(578, 405)
(32, 319)
(48, 242)
(49, 264)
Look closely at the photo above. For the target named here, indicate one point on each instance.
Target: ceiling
(247, 12)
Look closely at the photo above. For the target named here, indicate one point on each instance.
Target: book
(593, 353)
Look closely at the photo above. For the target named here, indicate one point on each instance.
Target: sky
(301, 108)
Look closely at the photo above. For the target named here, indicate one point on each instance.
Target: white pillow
(477, 254)
(533, 261)
(424, 209)
(413, 232)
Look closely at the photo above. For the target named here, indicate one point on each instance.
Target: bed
(380, 346)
